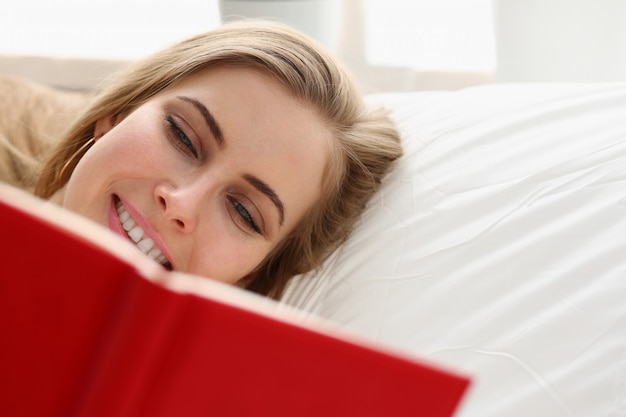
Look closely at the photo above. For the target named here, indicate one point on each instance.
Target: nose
(178, 205)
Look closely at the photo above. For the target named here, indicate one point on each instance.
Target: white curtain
(400, 45)
(389, 45)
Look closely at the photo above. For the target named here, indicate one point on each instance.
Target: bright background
(388, 44)
(445, 33)
(431, 34)
(118, 29)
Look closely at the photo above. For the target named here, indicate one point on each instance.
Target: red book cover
(90, 327)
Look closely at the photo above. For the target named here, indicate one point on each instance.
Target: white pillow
(498, 247)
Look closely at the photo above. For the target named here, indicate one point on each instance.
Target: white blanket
(498, 247)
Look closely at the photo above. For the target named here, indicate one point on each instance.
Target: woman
(244, 155)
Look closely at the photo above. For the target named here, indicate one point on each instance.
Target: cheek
(123, 153)
(227, 258)
(120, 155)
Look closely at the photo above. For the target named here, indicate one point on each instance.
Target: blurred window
(454, 35)
(117, 29)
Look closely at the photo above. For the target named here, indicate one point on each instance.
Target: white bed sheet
(498, 247)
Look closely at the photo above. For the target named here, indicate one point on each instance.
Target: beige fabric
(32, 118)
(64, 73)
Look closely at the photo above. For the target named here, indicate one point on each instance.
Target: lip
(140, 220)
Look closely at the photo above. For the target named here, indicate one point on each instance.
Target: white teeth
(124, 216)
(154, 253)
(128, 224)
(136, 234)
(145, 245)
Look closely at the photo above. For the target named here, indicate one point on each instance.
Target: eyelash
(181, 139)
(185, 144)
(244, 214)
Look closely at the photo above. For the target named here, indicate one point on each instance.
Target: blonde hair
(365, 142)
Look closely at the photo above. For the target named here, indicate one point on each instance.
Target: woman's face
(209, 175)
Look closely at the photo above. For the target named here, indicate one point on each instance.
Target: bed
(497, 247)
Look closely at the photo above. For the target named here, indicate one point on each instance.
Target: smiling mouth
(137, 235)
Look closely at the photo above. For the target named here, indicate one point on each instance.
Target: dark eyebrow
(265, 189)
(208, 117)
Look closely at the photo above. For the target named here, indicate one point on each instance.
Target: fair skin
(213, 191)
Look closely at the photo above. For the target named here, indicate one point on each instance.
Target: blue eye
(244, 215)
(181, 139)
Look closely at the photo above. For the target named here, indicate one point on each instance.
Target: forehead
(223, 73)
(224, 84)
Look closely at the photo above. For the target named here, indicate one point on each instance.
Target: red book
(90, 327)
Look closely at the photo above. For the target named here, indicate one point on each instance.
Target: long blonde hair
(365, 142)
